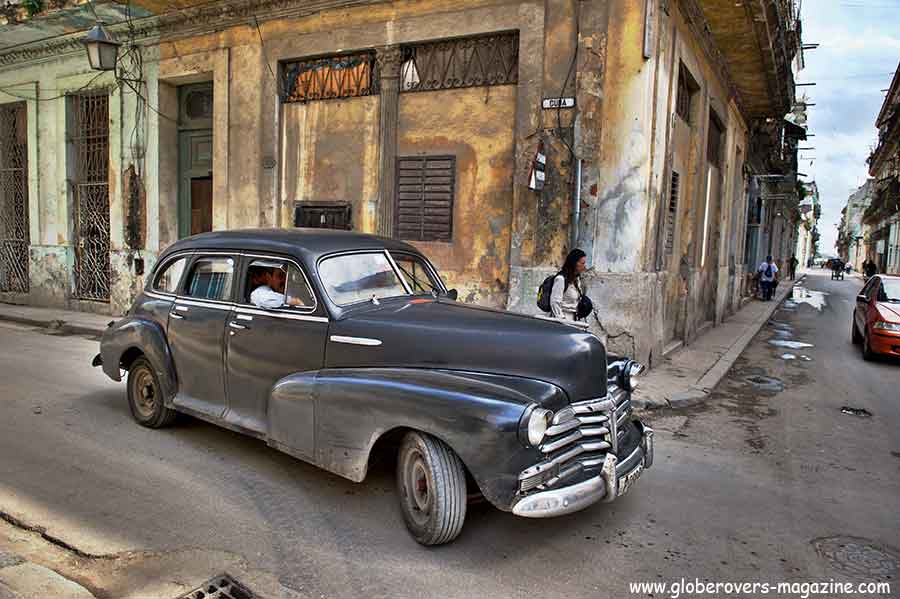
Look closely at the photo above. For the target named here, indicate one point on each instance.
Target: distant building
(882, 217)
(808, 232)
(853, 234)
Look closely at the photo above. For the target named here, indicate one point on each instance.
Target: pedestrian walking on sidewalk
(566, 295)
(768, 274)
(793, 266)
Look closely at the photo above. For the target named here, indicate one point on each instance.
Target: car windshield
(353, 278)
(890, 291)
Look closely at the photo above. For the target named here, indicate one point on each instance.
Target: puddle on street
(788, 357)
(789, 344)
(805, 358)
(803, 295)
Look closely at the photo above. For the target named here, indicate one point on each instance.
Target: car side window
(168, 278)
(211, 278)
(881, 296)
(272, 283)
(867, 289)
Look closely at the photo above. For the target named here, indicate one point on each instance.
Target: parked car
(369, 352)
(876, 319)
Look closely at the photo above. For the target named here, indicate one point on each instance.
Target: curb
(699, 391)
(56, 325)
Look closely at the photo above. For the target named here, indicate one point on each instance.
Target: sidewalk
(64, 321)
(689, 374)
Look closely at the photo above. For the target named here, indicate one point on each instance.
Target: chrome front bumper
(565, 500)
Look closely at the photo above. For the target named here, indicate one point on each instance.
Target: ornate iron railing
(464, 62)
(90, 141)
(330, 78)
(14, 239)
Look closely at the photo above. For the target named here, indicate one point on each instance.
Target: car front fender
(130, 335)
(477, 415)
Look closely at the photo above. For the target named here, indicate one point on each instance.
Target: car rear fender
(130, 335)
(477, 415)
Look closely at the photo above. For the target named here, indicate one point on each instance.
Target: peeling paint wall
(476, 126)
(51, 201)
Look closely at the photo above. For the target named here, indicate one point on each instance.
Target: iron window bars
(465, 62)
(330, 78)
(90, 144)
(14, 238)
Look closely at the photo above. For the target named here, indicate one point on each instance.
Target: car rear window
(168, 278)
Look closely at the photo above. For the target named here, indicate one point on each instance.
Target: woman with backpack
(566, 294)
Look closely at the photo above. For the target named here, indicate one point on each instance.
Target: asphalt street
(766, 481)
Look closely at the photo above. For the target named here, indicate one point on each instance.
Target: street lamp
(102, 49)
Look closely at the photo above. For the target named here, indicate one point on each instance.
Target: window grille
(90, 145)
(14, 238)
(465, 62)
(425, 190)
(672, 213)
(330, 78)
(684, 95)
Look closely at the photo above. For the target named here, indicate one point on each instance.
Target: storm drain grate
(220, 587)
(861, 412)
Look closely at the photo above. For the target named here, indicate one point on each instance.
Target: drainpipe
(576, 207)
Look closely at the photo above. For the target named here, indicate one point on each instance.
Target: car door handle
(235, 325)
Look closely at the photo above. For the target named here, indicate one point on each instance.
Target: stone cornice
(698, 24)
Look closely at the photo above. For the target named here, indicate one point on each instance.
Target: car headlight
(533, 427)
(631, 373)
(887, 326)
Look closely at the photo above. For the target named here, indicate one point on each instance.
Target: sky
(859, 50)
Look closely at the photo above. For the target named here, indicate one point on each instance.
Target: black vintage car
(332, 346)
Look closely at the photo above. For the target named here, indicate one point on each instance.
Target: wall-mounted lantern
(102, 49)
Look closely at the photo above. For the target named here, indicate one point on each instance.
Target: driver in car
(271, 293)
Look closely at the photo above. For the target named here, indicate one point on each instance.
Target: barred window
(425, 188)
(687, 87)
(329, 78)
(672, 213)
(465, 62)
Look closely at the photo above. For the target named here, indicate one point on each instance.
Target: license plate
(626, 481)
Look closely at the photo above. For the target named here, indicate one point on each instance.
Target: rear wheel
(145, 397)
(431, 483)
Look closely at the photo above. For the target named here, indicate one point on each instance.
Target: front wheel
(431, 483)
(145, 397)
(867, 352)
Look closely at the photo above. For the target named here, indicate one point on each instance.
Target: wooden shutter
(425, 190)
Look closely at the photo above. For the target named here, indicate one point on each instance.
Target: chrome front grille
(579, 438)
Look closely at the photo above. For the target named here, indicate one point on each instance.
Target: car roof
(306, 244)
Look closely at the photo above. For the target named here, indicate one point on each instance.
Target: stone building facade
(494, 134)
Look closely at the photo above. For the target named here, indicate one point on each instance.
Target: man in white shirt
(271, 294)
(767, 275)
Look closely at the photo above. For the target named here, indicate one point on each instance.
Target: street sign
(558, 103)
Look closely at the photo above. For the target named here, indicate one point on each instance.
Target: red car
(876, 319)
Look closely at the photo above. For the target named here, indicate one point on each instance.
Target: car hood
(427, 333)
(889, 312)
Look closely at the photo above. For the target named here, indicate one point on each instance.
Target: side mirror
(862, 299)
(453, 294)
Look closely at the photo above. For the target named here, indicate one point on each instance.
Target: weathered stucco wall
(50, 166)
(330, 154)
(475, 125)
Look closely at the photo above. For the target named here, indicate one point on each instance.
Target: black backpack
(544, 291)
(769, 270)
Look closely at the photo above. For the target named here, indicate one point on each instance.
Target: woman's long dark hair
(569, 269)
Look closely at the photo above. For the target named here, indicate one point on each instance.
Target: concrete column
(389, 59)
